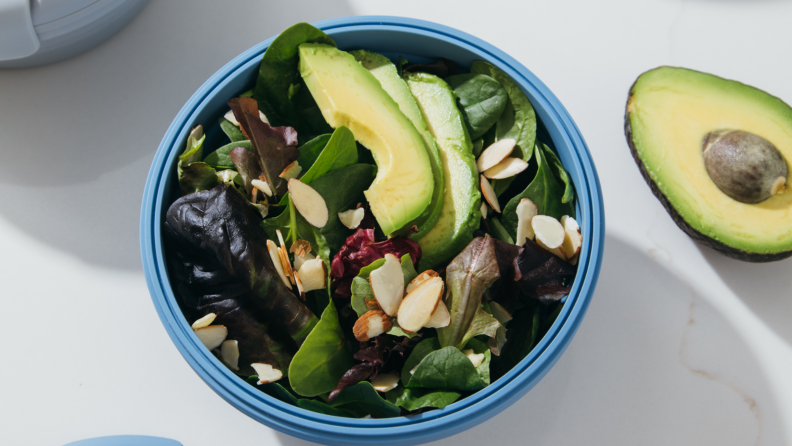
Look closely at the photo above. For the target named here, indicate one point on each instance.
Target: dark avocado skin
(683, 225)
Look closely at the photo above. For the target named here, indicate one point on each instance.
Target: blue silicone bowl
(419, 41)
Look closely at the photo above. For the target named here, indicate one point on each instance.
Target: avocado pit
(744, 166)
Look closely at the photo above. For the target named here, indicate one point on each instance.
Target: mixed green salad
(374, 238)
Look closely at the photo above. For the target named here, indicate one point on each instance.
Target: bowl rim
(434, 424)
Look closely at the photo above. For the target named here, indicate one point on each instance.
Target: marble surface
(680, 345)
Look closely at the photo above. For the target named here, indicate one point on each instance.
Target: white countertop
(680, 345)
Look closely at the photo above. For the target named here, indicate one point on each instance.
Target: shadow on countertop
(79, 135)
(766, 288)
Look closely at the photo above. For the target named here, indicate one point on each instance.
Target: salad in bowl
(375, 237)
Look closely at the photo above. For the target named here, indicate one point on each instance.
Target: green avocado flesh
(670, 112)
(349, 95)
(385, 72)
(462, 200)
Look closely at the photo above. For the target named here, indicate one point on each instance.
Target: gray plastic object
(37, 32)
(126, 440)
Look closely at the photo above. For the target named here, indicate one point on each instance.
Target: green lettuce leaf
(221, 159)
(232, 131)
(467, 277)
(361, 400)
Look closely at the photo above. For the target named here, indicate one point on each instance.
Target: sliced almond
(495, 153)
(421, 278)
(440, 317)
(300, 260)
(229, 353)
(313, 275)
(526, 211)
(475, 358)
(212, 336)
(291, 171)
(548, 230)
(385, 382)
(417, 307)
(266, 373)
(373, 323)
(573, 240)
(352, 217)
(489, 194)
(284, 257)
(274, 253)
(558, 252)
(309, 203)
(484, 210)
(231, 118)
(300, 248)
(500, 313)
(296, 279)
(204, 321)
(262, 186)
(506, 169)
(387, 284)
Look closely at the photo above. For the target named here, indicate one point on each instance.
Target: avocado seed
(744, 166)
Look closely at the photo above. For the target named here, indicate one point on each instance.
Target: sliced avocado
(461, 212)
(387, 74)
(673, 115)
(349, 95)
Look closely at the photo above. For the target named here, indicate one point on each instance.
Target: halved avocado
(672, 115)
(349, 95)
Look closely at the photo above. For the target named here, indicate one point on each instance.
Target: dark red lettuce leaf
(276, 146)
(246, 327)
(247, 165)
(540, 274)
(504, 290)
(360, 250)
(216, 249)
(373, 355)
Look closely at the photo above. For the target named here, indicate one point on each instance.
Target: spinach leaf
(275, 390)
(498, 231)
(233, 132)
(340, 151)
(483, 100)
(517, 121)
(221, 159)
(342, 189)
(322, 359)
(310, 151)
(543, 190)
(447, 369)
(561, 174)
(323, 408)
(279, 89)
(419, 352)
(416, 398)
(467, 276)
(361, 400)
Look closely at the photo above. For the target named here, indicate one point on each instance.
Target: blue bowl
(418, 41)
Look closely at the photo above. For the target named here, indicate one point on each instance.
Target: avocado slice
(673, 116)
(461, 212)
(385, 72)
(349, 95)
